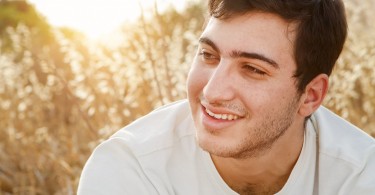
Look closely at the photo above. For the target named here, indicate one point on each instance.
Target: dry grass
(352, 92)
(58, 101)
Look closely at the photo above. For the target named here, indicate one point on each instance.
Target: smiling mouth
(228, 117)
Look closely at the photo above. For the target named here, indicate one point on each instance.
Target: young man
(253, 123)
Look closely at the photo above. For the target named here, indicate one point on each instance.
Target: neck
(266, 173)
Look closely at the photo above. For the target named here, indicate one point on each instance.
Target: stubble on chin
(248, 147)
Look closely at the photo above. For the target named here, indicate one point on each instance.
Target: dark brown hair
(320, 36)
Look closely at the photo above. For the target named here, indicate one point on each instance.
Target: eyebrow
(207, 41)
(241, 54)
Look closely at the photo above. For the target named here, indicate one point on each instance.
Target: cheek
(266, 98)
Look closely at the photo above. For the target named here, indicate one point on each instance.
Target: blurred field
(61, 95)
(352, 90)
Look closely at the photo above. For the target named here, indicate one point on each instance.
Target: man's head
(261, 68)
(320, 34)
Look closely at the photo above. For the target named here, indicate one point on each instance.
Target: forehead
(255, 32)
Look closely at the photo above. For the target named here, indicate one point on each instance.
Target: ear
(314, 94)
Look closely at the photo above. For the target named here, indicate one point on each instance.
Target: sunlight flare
(96, 18)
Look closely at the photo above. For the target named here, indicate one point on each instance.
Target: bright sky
(95, 17)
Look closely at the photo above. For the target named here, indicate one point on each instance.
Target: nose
(220, 86)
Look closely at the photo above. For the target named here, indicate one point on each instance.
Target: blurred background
(72, 72)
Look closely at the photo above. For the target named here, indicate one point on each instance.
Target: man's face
(241, 88)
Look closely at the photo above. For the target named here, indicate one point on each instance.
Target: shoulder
(159, 129)
(340, 138)
(133, 160)
(346, 153)
(113, 169)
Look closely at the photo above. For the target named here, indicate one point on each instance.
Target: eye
(208, 57)
(254, 70)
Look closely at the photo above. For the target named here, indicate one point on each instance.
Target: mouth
(219, 119)
(221, 116)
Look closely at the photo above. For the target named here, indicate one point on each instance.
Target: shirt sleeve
(114, 169)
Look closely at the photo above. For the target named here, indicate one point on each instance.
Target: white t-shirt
(158, 154)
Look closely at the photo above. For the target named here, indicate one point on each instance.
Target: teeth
(222, 116)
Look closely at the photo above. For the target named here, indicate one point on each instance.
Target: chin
(231, 147)
(214, 143)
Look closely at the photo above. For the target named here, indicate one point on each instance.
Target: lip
(221, 110)
(213, 124)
